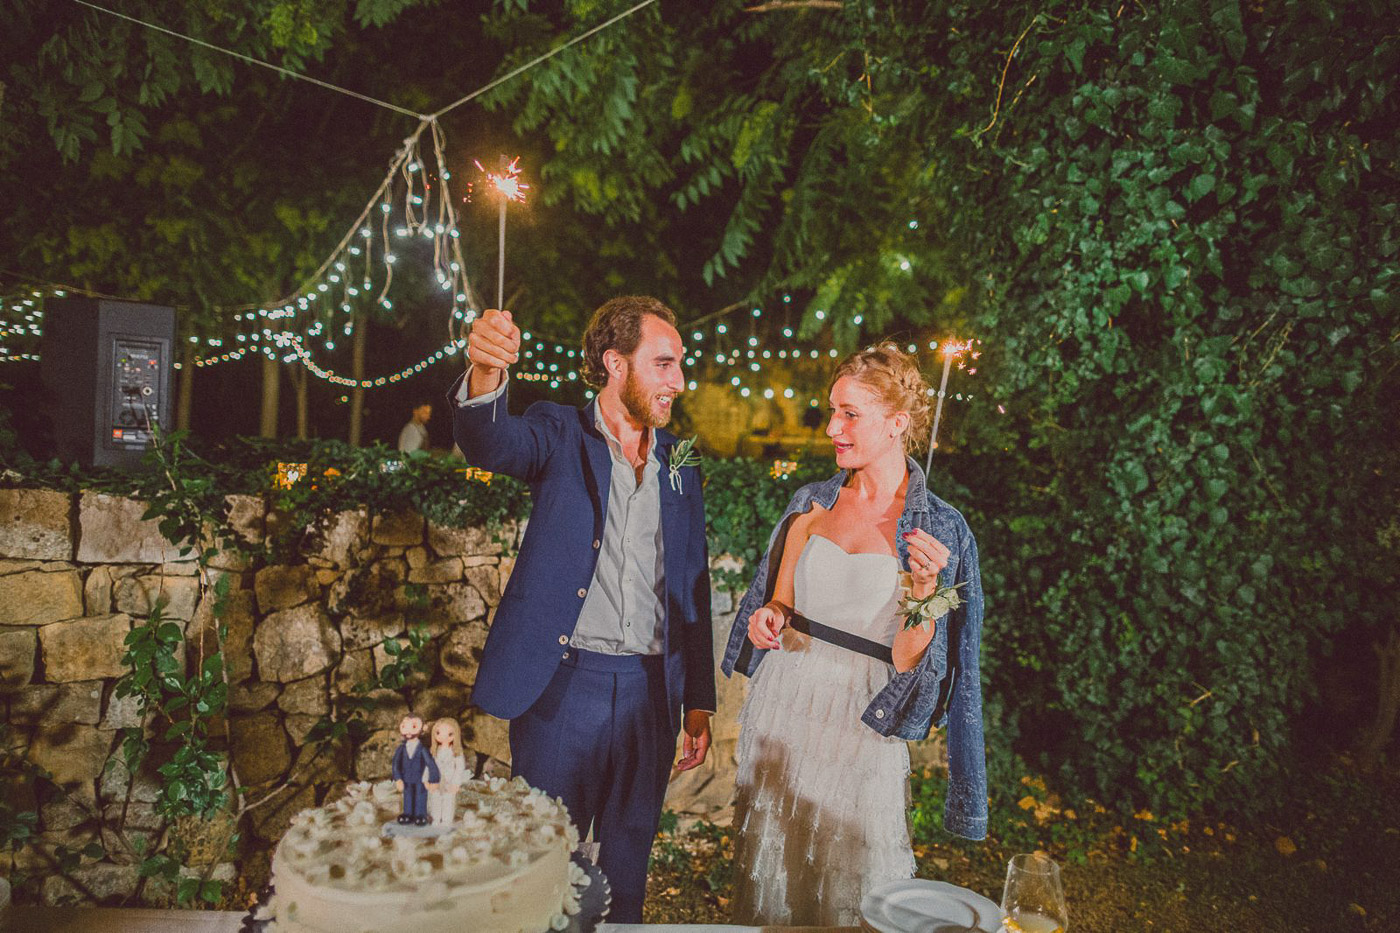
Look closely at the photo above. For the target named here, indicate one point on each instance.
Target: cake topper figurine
(452, 766)
(411, 761)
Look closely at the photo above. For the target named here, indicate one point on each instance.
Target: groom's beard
(639, 404)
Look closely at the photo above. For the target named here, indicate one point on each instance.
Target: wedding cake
(503, 867)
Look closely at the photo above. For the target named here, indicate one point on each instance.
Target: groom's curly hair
(617, 325)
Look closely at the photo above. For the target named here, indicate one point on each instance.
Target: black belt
(841, 639)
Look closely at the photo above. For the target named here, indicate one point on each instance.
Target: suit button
(582, 592)
(879, 714)
(566, 655)
(563, 639)
(597, 544)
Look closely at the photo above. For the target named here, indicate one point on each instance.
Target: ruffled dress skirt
(822, 799)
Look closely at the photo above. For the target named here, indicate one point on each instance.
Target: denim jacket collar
(825, 492)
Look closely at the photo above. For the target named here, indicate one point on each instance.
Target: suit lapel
(675, 519)
(597, 464)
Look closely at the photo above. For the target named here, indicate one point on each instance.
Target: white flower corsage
(924, 612)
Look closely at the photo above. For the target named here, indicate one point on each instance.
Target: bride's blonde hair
(894, 377)
(456, 733)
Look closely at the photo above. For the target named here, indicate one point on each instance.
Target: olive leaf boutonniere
(682, 455)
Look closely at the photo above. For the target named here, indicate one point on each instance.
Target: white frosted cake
(503, 867)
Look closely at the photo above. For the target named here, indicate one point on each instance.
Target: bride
(823, 767)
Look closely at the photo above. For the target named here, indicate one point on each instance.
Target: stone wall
(77, 570)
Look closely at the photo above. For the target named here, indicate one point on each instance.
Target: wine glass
(1033, 900)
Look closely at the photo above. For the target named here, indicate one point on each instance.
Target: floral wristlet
(924, 612)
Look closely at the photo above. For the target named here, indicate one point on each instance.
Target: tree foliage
(1174, 228)
(143, 165)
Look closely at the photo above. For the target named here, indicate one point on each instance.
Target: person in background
(414, 435)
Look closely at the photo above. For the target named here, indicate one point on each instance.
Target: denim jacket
(945, 687)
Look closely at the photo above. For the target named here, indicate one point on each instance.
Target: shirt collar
(614, 444)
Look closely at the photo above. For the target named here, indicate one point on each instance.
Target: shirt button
(596, 544)
(879, 714)
(582, 592)
(566, 655)
(563, 639)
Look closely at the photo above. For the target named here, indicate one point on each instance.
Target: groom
(600, 651)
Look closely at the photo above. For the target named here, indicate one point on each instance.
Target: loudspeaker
(107, 370)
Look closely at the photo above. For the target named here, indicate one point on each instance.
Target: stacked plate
(920, 906)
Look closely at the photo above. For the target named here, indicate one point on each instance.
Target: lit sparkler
(951, 350)
(511, 188)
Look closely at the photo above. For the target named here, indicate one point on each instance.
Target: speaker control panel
(135, 393)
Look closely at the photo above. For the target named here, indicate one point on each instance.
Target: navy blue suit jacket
(409, 768)
(559, 452)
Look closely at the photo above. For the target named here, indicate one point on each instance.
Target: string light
(549, 360)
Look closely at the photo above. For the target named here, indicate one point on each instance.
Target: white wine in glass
(1033, 900)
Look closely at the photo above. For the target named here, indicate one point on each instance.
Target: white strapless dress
(820, 812)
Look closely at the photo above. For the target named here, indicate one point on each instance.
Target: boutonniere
(682, 455)
(924, 612)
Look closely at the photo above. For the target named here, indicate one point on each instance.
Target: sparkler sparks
(510, 186)
(951, 350)
(508, 182)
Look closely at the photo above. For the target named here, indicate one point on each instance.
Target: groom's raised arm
(482, 426)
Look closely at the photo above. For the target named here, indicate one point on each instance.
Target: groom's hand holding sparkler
(492, 346)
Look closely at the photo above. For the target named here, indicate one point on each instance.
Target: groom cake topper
(414, 772)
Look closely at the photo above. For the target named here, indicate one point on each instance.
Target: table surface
(137, 920)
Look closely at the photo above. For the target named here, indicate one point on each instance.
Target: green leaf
(1200, 186)
(1075, 53)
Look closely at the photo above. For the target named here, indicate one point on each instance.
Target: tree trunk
(357, 370)
(1379, 734)
(184, 400)
(300, 381)
(271, 397)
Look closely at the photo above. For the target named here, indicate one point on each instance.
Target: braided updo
(894, 377)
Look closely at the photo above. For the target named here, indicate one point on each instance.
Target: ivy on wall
(1185, 234)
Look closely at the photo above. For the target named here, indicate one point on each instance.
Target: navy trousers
(600, 739)
(415, 799)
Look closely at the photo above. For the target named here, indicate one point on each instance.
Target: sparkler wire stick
(511, 188)
(501, 261)
(950, 351)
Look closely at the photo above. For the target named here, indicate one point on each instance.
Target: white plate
(917, 905)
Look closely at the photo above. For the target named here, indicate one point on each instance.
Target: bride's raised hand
(765, 625)
(927, 558)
